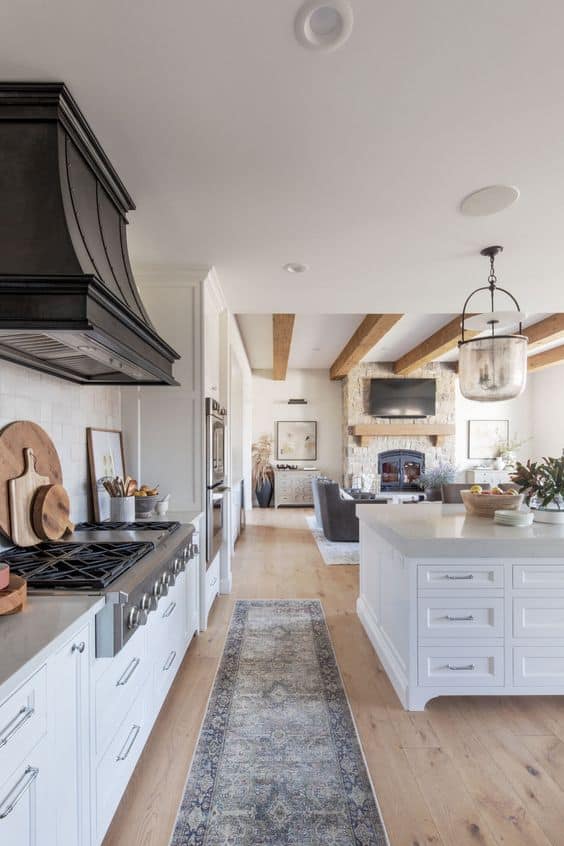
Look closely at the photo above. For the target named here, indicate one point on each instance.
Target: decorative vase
(264, 493)
(499, 463)
(433, 495)
(552, 513)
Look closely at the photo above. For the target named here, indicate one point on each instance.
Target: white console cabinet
(487, 477)
(293, 487)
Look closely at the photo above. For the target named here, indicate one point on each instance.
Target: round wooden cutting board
(14, 438)
(50, 512)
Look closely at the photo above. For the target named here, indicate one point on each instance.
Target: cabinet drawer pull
(459, 578)
(452, 619)
(129, 670)
(78, 647)
(128, 745)
(10, 801)
(169, 661)
(21, 718)
(461, 666)
(169, 610)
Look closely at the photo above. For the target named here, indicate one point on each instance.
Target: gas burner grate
(74, 566)
(136, 526)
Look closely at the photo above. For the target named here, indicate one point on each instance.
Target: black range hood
(69, 304)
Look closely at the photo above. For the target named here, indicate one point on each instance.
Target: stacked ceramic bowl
(513, 518)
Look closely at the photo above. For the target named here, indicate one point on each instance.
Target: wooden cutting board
(50, 516)
(14, 438)
(22, 492)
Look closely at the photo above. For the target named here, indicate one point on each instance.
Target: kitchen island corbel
(457, 605)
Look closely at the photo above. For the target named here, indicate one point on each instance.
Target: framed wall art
(296, 440)
(486, 437)
(105, 460)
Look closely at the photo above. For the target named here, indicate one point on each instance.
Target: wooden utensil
(14, 598)
(14, 438)
(50, 516)
(22, 491)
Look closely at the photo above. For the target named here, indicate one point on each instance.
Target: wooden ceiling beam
(436, 345)
(548, 358)
(371, 330)
(282, 329)
(545, 331)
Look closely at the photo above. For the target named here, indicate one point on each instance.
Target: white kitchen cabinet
(69, 698)
(26, 800)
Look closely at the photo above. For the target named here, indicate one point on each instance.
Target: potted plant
(432, 480)
(542, 482)
(263, 474)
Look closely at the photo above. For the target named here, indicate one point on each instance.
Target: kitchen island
(457, 605)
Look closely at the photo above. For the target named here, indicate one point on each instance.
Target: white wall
(324, 404)
(548, 404)
(517, 411)
(64, 410)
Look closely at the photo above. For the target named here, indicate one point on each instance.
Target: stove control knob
(164, 583)
(168, 578)
(136, 618)
(157, 590)
(147, 602)
(178, 565)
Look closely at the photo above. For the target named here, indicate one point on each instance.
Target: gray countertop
(434, 530)
(36, 631)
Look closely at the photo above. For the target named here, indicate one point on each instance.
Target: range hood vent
(69, 304)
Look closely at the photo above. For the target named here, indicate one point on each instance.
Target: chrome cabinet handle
(15, 724)
(129, 670)
(169, 610)
(128, 745)
(459, 578)
(169, 661)
(78, 647)
(462, 667)
(10, 801)
(451, 619)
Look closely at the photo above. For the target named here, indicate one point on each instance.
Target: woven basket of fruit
(486, 503)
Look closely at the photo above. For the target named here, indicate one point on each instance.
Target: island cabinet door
(26, 801)
(69, 702)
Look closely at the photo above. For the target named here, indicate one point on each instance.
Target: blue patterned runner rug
(278, 761)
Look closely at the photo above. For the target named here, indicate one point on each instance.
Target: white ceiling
(318, 339)
(246, 151)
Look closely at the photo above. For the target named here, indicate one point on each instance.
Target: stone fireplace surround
(356, 386)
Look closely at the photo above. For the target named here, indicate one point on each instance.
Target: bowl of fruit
(483, 503)
(146, 499)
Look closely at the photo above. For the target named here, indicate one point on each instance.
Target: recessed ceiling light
(490, 200)
(324, 25)
(295, 267)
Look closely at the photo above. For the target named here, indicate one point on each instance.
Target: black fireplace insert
(400, 470)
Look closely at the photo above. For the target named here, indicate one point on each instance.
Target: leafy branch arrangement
(543, 479)
(262, 468)
(441, 474)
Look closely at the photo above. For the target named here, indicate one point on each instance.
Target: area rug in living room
(333, 552)
(278, 762)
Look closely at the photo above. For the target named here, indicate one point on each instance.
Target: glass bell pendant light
(493, 367)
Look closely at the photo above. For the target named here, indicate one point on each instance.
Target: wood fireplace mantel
(437, 432)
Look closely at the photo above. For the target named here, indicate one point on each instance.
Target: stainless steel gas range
(132, 565)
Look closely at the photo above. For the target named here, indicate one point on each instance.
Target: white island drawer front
(460, 666)
(538, 576)
(115, 768)
(119, 686)
(538, 665)
(470, 576)
(23, 721)
(468, 617)
(536, 616)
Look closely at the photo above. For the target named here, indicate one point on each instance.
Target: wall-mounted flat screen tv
(402, 397)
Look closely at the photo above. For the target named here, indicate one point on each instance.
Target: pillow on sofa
(344, 495)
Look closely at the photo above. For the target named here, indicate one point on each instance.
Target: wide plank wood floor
(469, 770)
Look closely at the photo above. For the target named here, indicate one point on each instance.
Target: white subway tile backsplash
(64, 410)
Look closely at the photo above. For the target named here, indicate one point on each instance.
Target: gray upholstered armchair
(336, 516)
